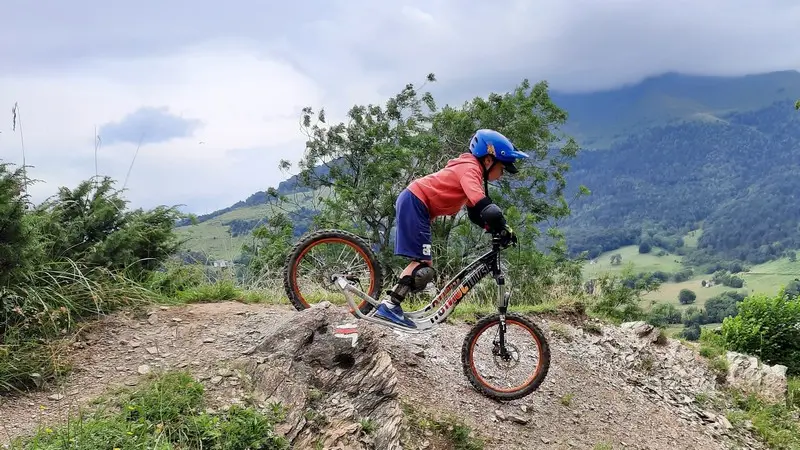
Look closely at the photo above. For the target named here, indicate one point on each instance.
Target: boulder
(747, 373)
(338, 387)
(645, 331)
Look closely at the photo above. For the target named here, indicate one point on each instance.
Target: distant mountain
(597, 119)
(679, 152)
(736, 177)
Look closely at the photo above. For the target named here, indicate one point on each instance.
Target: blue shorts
(413, 235)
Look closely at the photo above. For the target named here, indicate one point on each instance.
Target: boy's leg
(412, 240)
(414, 278)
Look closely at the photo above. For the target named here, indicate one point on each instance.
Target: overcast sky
(213, 90)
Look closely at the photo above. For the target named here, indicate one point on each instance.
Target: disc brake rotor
(508, 362)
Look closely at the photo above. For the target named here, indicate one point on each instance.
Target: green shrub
(766, 327)
(177, 278)
(15, 236)
(793, 396)
(664, 314)
(91, 225)
(691, 332)
(77, 255)
(774, 423)
(620, 296)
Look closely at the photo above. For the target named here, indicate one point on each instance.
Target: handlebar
(500, 239)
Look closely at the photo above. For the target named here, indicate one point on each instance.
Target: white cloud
(244, 100)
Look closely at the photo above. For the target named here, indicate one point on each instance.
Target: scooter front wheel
(523, 341)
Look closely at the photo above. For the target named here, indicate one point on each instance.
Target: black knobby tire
(309, 240)
(531, 384)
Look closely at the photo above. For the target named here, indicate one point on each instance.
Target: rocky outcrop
(747, 373)
(668, 372)
(339, 388)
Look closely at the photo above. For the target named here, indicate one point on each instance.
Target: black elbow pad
(492, 215)
(474, 212)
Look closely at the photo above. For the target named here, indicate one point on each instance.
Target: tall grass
(38, 313)
(195, 283)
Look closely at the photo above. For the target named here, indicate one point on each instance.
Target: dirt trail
(114, 350)
(582, 402)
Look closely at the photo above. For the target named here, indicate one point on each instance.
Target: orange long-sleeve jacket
(445, 192)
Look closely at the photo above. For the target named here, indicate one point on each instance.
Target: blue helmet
(489, 142)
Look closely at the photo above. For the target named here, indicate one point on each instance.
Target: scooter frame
(444, 302)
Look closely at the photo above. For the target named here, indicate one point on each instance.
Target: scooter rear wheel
(354, 256)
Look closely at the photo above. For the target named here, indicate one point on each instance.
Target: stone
(518, 419)
(747, 373)
(640, 328)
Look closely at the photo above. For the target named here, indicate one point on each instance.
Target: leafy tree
(694, 315)
(664, 314)
(722, 306)
(792, 289)
(661, 276)
(687, 296)
(644, 247)
(682, 275)
(616, 259)
(271, 242)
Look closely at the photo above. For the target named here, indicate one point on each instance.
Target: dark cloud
(148, 126)
(575, 44)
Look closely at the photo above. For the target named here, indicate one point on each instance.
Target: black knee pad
(421, 276)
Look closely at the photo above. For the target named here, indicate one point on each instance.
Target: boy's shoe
(394, 313)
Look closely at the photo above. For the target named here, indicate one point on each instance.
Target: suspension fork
(502, 304)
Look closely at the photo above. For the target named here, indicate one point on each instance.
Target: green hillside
(215, 237)
(737, 178)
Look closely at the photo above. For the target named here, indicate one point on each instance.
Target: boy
(464, 181)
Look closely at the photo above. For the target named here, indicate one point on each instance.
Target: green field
(632, 259)
(668, 292)
(765, 278)
(690, 239)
